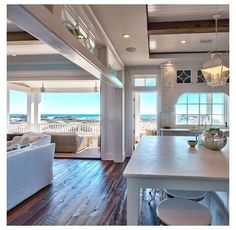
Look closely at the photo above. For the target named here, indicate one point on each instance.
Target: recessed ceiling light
(130, 49)
(183, 42)
(153, 45)
(126, 35)
(80, 36)
(13, 55)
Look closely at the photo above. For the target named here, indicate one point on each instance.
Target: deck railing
(18, 128)
(81, 128)
(147, 125)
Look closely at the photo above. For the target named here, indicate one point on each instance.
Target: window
(200, 77)
(201, 108)
(78, 28)
(145, 81)
(183, 76)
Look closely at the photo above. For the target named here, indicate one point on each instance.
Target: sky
(58, 103)
(18, 102)
(148, 103)
(89, 103)
(73, 103)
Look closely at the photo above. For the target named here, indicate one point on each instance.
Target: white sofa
(28, 171)
(35, 139)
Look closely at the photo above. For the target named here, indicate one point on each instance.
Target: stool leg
(152, 194)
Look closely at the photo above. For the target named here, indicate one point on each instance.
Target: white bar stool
(186, 194)
(179, 211)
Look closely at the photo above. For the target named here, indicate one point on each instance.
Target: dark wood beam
(187, 27)
(20, 36)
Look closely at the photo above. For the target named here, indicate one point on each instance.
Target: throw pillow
(32, 137)
(16, 140)
(25, 140)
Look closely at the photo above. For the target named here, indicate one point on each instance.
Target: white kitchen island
(167, 162)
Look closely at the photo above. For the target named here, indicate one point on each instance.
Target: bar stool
(186, 194)
(179, 211)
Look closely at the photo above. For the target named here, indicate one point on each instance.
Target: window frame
(145, 77)
(183, 69)
(209, 103)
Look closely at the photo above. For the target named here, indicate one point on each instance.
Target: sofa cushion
(21, 140)
(16, 140)
(32, 137)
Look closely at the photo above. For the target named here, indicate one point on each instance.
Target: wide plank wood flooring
(91, 192)
(84, 192)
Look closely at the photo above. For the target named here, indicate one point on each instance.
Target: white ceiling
(59, 84)
(194, 42)
(35, 60)
(43, 67)
(132, 19)
(26, 47)
(171, 12)
(120, 19)
(29, 48)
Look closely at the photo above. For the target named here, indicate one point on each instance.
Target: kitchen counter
(185, 132)
(169, 163)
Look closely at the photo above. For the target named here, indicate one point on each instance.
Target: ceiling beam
(20, 36)
(187, 27)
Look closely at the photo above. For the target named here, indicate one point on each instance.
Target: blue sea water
(22, 117)
(78, 116)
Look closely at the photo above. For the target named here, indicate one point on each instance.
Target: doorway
(145, 115)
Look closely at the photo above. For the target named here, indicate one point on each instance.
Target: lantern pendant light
(215, 70)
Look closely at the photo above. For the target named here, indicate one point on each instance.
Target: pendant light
(42, 89)
(215, 70)
(96, 89)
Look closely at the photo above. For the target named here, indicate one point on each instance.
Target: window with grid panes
(201, 108)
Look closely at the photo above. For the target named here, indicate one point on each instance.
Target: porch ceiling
(31, 60)
(81, 85)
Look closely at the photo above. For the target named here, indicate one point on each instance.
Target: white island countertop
(171, 156)
(188, 129)
(167, 162)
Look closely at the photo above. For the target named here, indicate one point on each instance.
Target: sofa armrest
(82, 142)
(28, 171)
(9, 143)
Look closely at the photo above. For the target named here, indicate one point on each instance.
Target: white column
(8, 107)
(107, 122)
(29, 110)
(33, 110)
(112, 127)
(137, 116)
(37, 113)
(129, 135)
(119, 154)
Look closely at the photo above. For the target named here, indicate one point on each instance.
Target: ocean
(22, 117)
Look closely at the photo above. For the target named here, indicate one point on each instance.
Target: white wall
(112, 123)
(172, 91)
(168, 92)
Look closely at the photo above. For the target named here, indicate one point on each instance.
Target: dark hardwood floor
(84, 192)
(91, 192)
